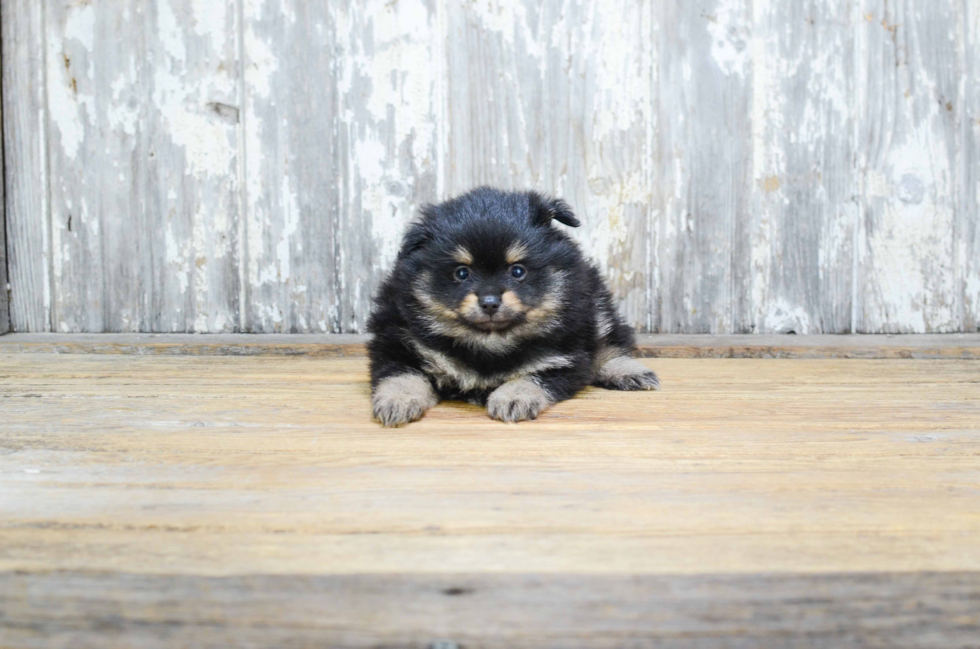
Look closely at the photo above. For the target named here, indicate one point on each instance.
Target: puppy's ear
(415, 238)
(544, 210)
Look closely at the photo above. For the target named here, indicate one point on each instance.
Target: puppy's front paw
(517, 400)
(625, 373)
(402, 398)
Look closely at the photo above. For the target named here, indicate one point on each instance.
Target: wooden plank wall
(4, 298)
(249, 165)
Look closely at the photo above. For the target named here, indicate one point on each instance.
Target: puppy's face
(488, 287)
(493, 269)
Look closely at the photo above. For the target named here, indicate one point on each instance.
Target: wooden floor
(161, 501)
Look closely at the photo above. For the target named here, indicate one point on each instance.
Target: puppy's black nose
(489, 304)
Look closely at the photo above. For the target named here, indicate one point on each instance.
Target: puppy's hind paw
(402, 398)
(517, 401)
(625, 373)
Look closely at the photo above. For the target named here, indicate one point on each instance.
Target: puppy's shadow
(461, 407)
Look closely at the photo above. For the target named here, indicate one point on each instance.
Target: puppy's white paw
(517, 400)
(625, 373)
(402, 398)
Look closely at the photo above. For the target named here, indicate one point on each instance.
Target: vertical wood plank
(388, 118)
(142, 157)
(968, 230)
(338, 162)
(557, 96)
(25, 172)
(804, 208)
(4, 295)
(705, 127)
(94, 164)
(908, 89)
(290, 58)
(190, 148)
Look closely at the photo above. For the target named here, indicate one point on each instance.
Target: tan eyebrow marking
(516, 252)
(463, 256)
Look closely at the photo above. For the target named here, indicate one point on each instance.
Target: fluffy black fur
(556, 329)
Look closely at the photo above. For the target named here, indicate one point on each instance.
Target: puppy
(492, 304)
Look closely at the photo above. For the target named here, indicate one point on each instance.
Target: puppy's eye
(518, 272)
(461, 273)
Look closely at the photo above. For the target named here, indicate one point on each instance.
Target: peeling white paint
(124, 111)
(80, 26)
(783, 318)
(207, 141)
(730, 28)
(911, 240)
(170, 33)
(261, 63)
(210, 22)
(290, 221)
(176, 257)
(570, 101)
(623, 98)
(66, 105)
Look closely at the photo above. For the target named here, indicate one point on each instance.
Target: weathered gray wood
(190, 142)
(705, 118)
(479, 610)
(739, 167)
(25, 171)
(95, 164)
(558, 96)
(968, 208)
(336, 167)
(804, 207)
(4, 296)
(390, 74)
(144, 202)
(908, 88)
(289, 119)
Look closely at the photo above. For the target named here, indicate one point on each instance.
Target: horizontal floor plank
(84, 609)
(157, 500)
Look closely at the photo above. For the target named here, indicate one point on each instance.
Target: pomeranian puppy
(490, 303)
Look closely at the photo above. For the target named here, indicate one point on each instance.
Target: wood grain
(739, 167)
(148, 499)
(804, 208)
(391, 111)
(704, 115)
(191, 146)
(910, 84)
(968, 224)
(25, 168)
(93, 143)
(291, 239)
(557, 97)
(325, 219)
(494, 611)
(4, 293)
(143, 207)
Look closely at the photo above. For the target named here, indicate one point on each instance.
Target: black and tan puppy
(490, 303)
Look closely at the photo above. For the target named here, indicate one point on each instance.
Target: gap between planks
(860, 346)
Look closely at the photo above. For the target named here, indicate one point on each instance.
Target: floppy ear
(544, 210)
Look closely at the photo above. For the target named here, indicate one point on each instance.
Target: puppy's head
(490, 264)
